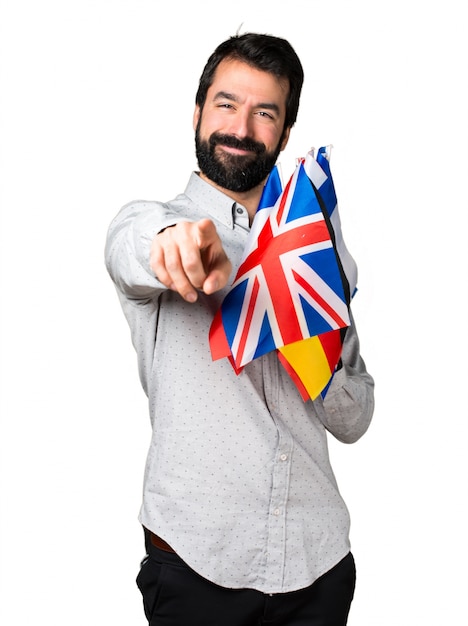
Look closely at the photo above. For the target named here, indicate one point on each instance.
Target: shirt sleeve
(128, 246)
(349, 404)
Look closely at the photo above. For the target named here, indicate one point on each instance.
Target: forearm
(349, 404)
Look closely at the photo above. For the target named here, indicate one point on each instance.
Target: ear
(285, 140)
(196, 116)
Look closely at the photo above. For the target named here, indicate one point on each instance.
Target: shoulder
(142, 205)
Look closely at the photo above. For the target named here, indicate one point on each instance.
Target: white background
(96, 110)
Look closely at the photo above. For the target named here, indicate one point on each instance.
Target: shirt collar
(211, 200)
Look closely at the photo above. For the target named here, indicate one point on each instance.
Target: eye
(266, 116)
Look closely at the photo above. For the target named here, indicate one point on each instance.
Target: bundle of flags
(293, 288)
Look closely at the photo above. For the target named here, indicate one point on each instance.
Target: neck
(248, 199)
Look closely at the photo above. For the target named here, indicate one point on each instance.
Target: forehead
(246, 82)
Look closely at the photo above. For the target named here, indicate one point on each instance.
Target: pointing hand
(189, 256)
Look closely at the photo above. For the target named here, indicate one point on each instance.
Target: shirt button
(283, 457)
(239, 210)
(276, 512)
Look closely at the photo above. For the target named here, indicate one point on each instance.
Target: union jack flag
(291, 285)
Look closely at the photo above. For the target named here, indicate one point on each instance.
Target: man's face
(240, 131)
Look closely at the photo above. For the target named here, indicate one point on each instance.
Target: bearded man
(243, 520)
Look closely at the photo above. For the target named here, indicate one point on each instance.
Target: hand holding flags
(293, 287)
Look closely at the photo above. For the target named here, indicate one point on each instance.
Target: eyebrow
(270, 106)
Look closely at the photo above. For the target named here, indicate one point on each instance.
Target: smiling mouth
(226, 152)
(232, 150)
(229, 144)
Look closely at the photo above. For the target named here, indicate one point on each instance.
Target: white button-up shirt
(238, 479)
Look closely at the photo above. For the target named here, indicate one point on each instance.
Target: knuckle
(172, 264)
(191, 262)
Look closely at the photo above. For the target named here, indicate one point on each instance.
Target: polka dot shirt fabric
(238, 478)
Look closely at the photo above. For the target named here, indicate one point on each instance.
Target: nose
(241, 125)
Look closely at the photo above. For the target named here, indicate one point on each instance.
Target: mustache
(234, 142)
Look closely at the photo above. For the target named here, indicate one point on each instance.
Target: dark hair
(263, 52)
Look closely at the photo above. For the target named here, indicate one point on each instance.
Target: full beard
(234, 172)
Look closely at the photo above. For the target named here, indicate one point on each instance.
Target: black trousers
(175, 595)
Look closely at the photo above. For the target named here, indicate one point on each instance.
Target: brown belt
(160, 543)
